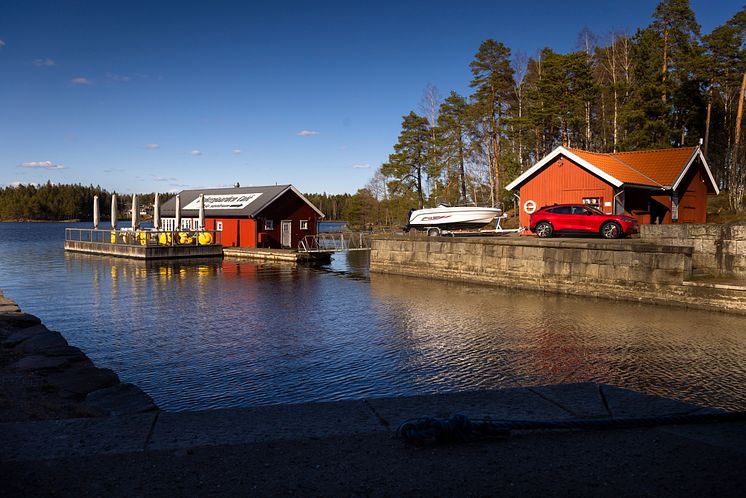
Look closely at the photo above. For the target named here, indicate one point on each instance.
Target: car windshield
(594, 210)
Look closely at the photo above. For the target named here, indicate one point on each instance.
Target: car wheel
(433, 232)
(611, 230)
(543, 229)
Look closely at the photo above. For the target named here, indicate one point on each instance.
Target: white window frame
(269, 224)
(304, 224)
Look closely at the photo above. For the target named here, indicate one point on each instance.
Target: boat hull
(452, 218)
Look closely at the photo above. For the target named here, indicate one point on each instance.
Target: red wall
(247, 232)
(693, 197)
(288, 207)
(233, 229)
(563, 181)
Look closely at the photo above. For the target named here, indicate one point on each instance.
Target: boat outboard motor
(407, 227)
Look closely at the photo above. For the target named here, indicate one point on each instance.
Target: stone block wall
(719, 250)
(617, 268)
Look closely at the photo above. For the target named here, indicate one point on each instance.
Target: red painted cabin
(277, 216)
(654, 186)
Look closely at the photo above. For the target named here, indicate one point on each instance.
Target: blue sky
(162, 96)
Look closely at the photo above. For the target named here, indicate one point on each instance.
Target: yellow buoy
(185, 239)
(113, 237)
(164, 239)
(205, 238)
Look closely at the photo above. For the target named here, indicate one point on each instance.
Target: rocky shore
(43, 377)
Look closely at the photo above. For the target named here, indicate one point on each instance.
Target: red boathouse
(277, 216)
(654, 186)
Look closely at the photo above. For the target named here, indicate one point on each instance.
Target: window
(269, 225)
(561, 210)
(304, 224)
(592, 201)
(219, 226)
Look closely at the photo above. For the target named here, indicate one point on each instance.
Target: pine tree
(452, 141)
(407, 165)
(493, 84)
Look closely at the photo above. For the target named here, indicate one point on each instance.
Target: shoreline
(42, 377)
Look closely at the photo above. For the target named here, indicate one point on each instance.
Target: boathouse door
(286, 232)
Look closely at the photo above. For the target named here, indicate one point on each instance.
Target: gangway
(329, 242)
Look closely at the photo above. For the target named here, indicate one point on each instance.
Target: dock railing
(335, 242)
(144, 237)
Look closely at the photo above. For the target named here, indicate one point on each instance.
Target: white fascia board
(575, 158)
(297, 192)
(680, 178)
(307, 201)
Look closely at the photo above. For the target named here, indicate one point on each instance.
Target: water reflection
(202, 334)
(477, 336)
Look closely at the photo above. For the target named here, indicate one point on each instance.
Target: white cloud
(41, 62)
(2, 44)
(41, 165)
(361, 166)
(307, 133)
(236, 152)
(80, 81)
(118, 77)
(164, 179)
(196, 152)
(152, 146)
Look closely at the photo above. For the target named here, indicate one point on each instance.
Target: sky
(163, 96)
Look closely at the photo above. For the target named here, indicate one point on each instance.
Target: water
(208, 334)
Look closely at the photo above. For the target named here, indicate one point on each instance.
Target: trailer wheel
(433, 232)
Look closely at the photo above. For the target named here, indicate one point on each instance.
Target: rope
(460, 428)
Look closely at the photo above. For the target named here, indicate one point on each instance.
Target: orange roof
(656, 168)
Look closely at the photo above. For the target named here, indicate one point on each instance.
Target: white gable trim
(307, 201)
(573, 157)
(297, 192)
(680, 178)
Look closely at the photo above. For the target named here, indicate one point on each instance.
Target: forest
(52, 202)
(666, 85)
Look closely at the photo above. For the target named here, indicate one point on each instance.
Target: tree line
(666, 85)
(52, 202)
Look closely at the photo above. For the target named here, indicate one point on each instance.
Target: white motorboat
(451, 217)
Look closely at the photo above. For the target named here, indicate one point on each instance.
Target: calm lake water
(207, 334)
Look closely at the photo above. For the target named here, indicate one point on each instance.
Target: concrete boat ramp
(349, 448)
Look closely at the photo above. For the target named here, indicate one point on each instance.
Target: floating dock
(267, 254)
(144, 244)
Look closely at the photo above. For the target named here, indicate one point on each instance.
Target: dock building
(666, 186)
(276, 216)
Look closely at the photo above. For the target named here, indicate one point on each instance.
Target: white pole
(157, 212)
(135, 212)
(201, 211)
(178, 213)
(95, 212)
(113, 211)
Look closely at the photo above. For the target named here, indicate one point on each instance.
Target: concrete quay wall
(719, 250)
(628, 269)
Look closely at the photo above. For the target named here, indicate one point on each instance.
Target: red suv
(580, 219)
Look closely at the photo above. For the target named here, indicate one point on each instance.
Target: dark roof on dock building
(234, 201)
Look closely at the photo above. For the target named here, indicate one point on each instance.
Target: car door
(562, 218)
(588, 220)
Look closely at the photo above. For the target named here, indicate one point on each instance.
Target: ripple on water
(199, 335)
